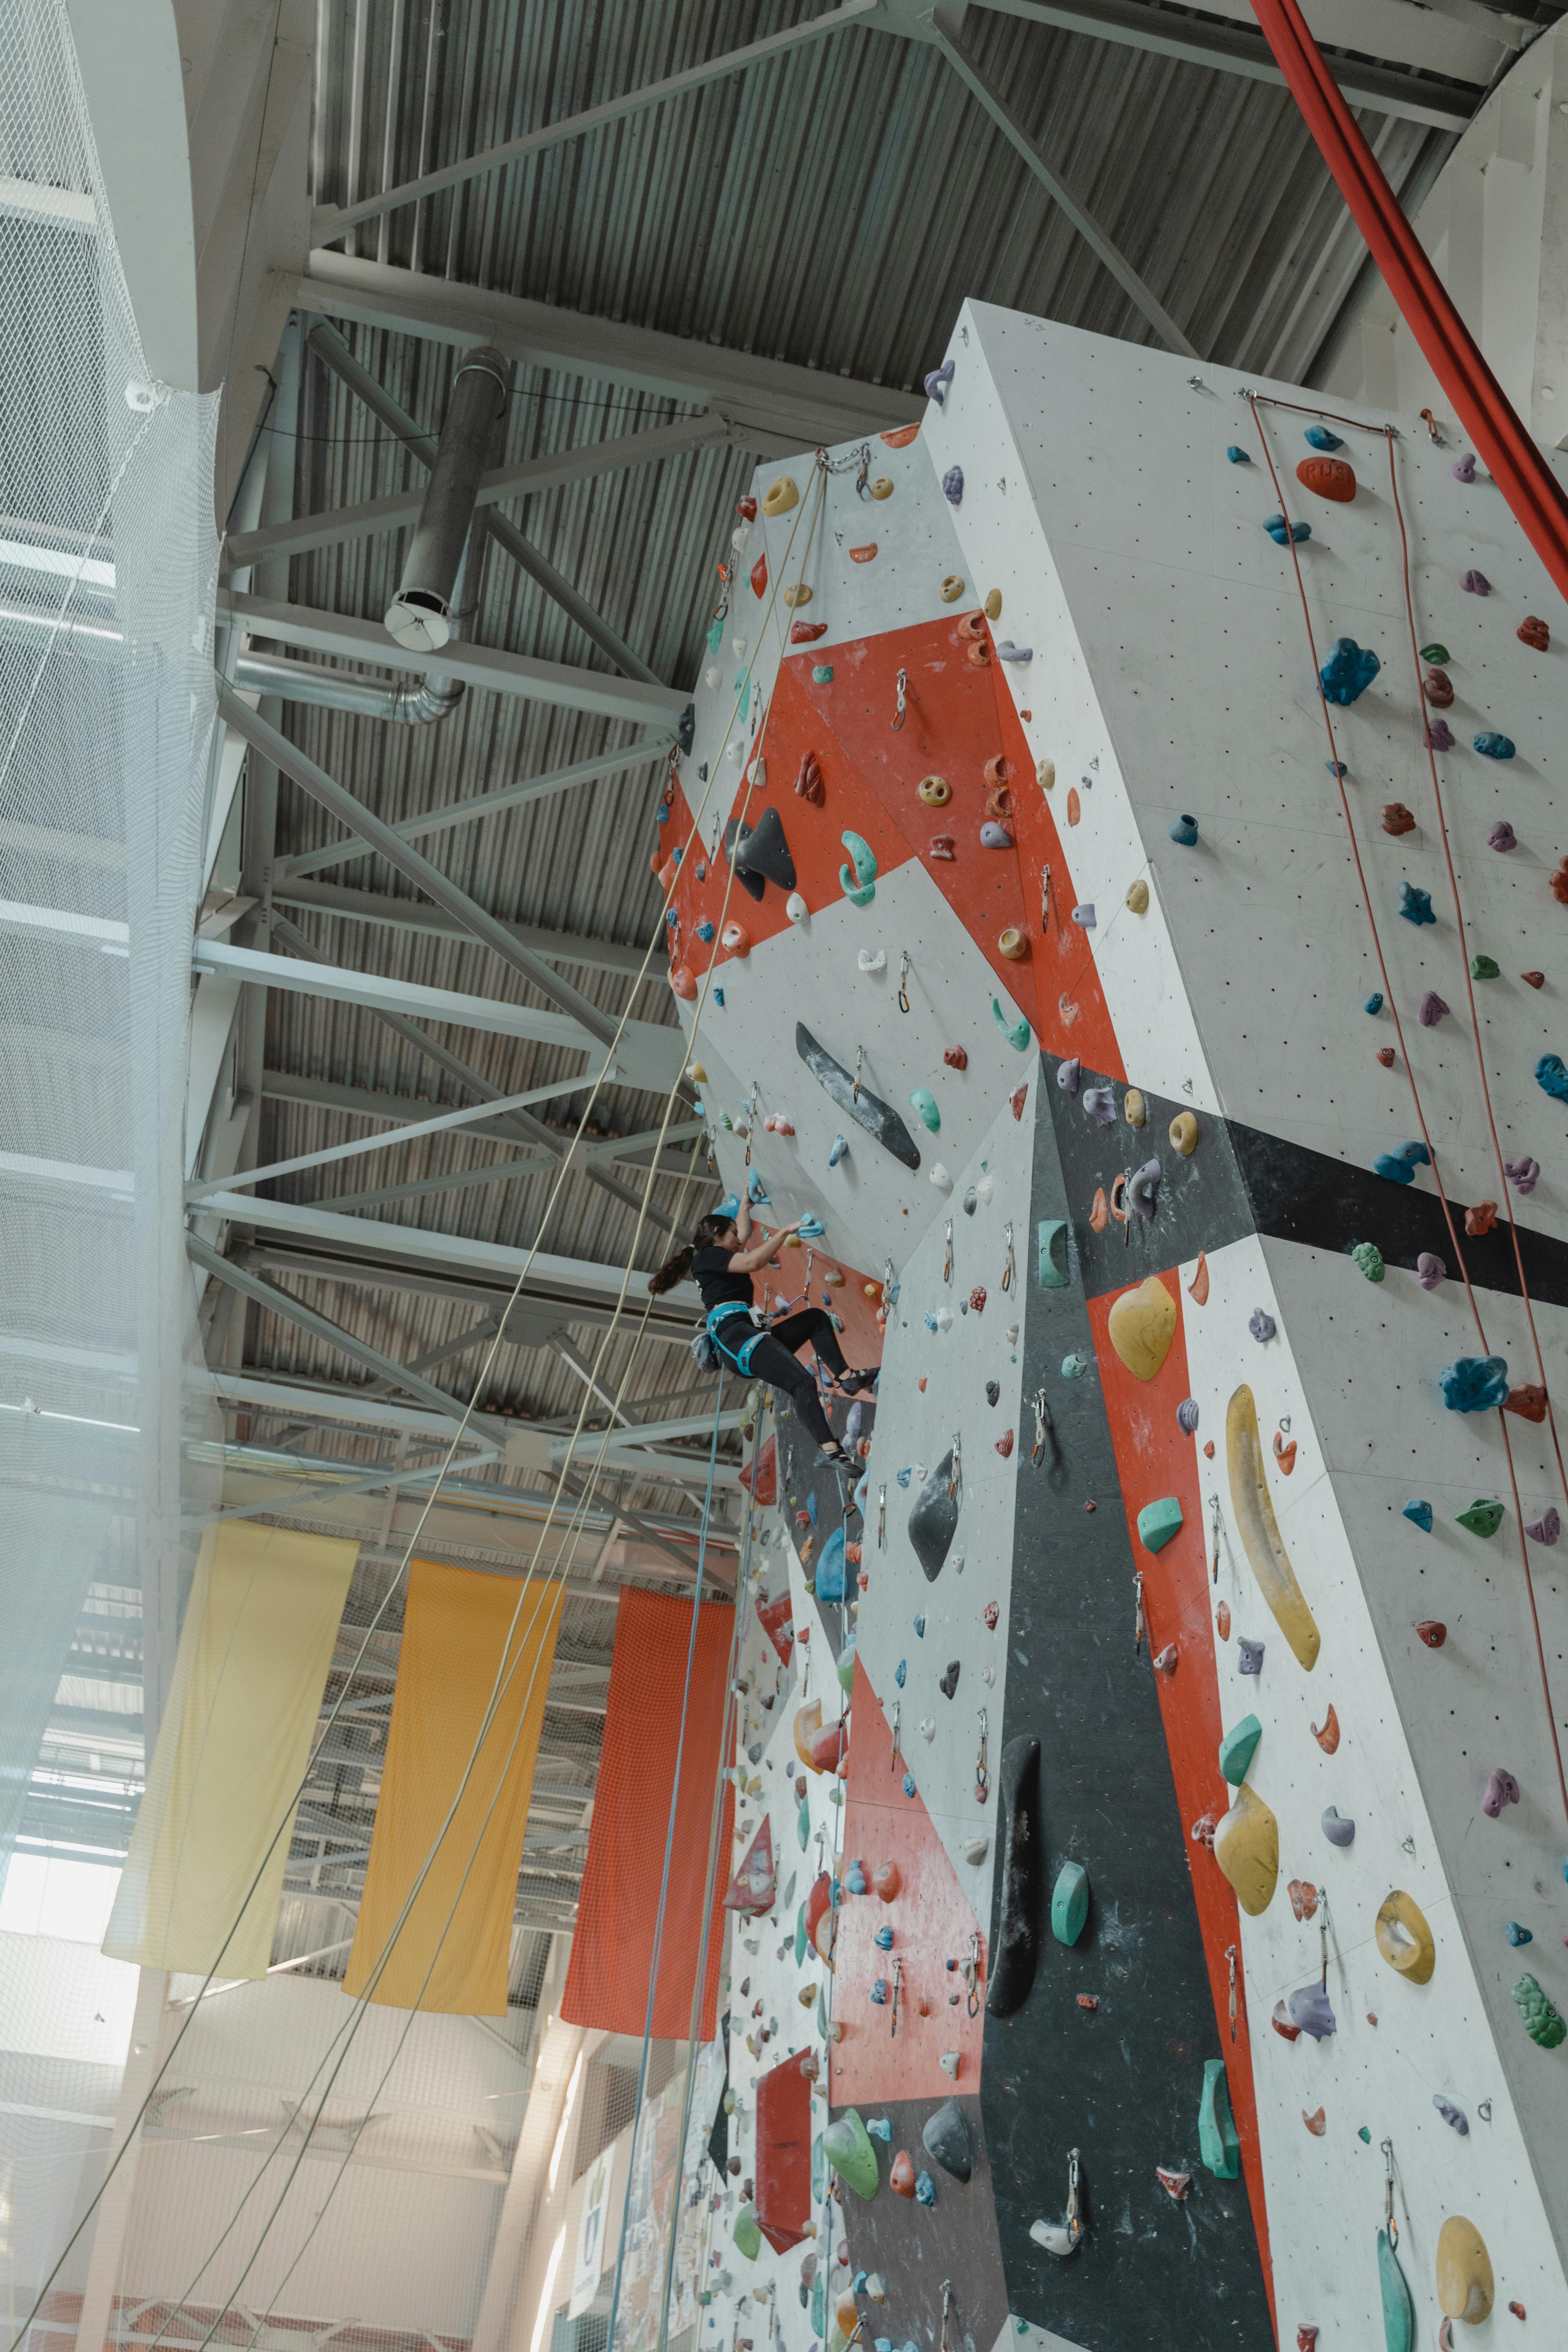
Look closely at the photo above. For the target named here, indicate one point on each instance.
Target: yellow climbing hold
(807, 1723)
(696, 1071)
(1403, 1938)
(799, 594)
(935, 791)
(1184, 1134)
(1466, 2288)
(882, 487)
(1142, 1326)
(1246, 1848)
(1046, 774)
(993, 605)
(1134, 1109)
(1136, 898)
(952, 589)
(781, 497)
(1259, 1531)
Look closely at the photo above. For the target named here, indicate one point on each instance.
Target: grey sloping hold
(946, 2136)
(761, 854)
(1018, 1927)
(933, 1520)
(867, 1110)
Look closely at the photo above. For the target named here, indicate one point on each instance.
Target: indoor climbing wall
(1125, 927)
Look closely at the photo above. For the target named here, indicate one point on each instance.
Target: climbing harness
(899, 714)
(904, 965)
(727, 1311)
(1010, 1269)
(981, 1771)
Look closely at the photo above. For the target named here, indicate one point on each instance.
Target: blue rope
(669, 1854)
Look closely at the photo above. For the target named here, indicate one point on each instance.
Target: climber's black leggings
(773, 1360)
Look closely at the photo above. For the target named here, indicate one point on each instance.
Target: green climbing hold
(1239, 1748)
(803, 1826)
(1398, 2311)
(924, 1101)
(747, 2235)
(848, 2147)
(860, 887)
(1369, 1257)
(1016, 1032)
(1217, 2142)
(1158, 1522)
(1364, 2135)
(1485, 968)
(1052, 1238)
(819, 2292)
(1542, 2023)
(1481, 1518)
(1069, 1903)
(845, 1668)
(800, 1937)
(1438, 654)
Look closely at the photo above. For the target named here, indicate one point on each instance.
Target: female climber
(723, 1262)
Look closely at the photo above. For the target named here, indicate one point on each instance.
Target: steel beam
(1103, 246)
(331, 220)
(542, 1309)
(801, 406)
(482, 804)
(480, 666)
(412, 915)
(501, 485)
(473, 1116)
(498, 1172)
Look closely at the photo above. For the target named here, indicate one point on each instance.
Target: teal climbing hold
(1158, 1522)
(860, 887)
(1053, 1247)
(818, 2182)
(822, 673)
(1016, 1032)
(1069, 1903)
(800, 1937)
(1074, 1366)
(924, 1102)
(1398, 2311)
(1183, 831)
(848, 2147)
(803, 1826)
(1217, 2142)
(1239, 1748)
(819, 2285)
(1419, 1513)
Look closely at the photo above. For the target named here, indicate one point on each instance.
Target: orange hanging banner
(452, 1952)
(612, 1950)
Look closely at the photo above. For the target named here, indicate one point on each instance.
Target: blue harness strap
(725, 1312)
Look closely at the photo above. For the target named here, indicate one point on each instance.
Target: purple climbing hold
(953, 485)
(1141, 1191)
(1067, 1075)
(1187, 1415)
(1430, 1271)
(994, 836)
(1439, 735)
(1464, 468)
(1008, 651)
(1503, 835)
(1084, 916)
(1546, 1528)
(1249, 1656)
(938, 382)
(1524, 1174)
(1311, 2011)
(1445, 2107)
(1100, 1104)
(1262, 1326)
(1476, 584)
(1430, 1009)
(1338, 1829)
(1502, 1790)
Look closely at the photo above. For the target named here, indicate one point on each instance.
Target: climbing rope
(1336, 768)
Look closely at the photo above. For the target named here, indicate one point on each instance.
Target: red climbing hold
(1317, 2125)
(1529, 1403)
(955, 1057)
(922, 1383)
(1433, 1631)
(1560, 883)
(1303, 1898)
(1327, 1736)
(1075, 806)
(1208, 1450)
(864, 554)
(1015, 1100)
(1174, 2184)
(1517, 2309)
(1089, 2001)
(1483, 1218)
(977, 1299)
(1222, 1620)
(1330, 478)
(829, 1748)
(1165, 1664)
(942, 847)
(1531, 632)
(808, 784)
(806, 632)
(683, 981)
(899, 437)
(886, 1880)
(1533, 979)
(1306, 2340)
(991, 1613)
(1203, 1830)
(1385, 1055)
(972, 627)
(980, 656)
(1396, 818)
(1284, 2024)
(901, 2179)
(760, 576)
(997, 771)
(1438, 688)
(1005, 1444)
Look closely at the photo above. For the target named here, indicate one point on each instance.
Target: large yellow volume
(212, 1838)
(1260, 1536)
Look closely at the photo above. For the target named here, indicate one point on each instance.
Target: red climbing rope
(1510, 456)
(1337, 771)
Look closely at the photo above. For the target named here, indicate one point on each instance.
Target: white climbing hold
(984, 1190)
(940, 1179)
(711, 677)
(975, 1849)
(872, 959)
(927, 1727)
(949, 2062)
(1046, 774)
(795, 907)
(943, 1323)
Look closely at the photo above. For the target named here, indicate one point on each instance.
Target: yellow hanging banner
(212, 1838)
(461, 1630)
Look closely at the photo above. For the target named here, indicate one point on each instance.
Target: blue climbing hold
(756, 1189)
(953, 485)
(907, 1473)
(719, 998)
(855, 1877)
(729, 1207)
(920, 1624)
(1550, 1076)
(1237, 456)
(1349, 670)
(1183, 831)
(925, 2189)
(1419, 1514)
(1518, 1935)
(938, 382)
(931, 1325)
(830, 1578)
(811, 1227)
(883, 1939)
(705, 932)
(1492, 746)
(1322, 438)
(1282, 534)
(1074, 1367)
(1475, 1384)
(880, 1995)
(908, 1784)
(836, 1150)
(1374, 1002)
(1336, 767)
(1394, 1166)
(900, 1671)
(1415, 905)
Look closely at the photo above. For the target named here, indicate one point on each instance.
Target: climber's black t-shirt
(714, 1279)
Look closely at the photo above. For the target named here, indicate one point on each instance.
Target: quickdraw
(982, 1770)
(1010, 1267)
(947, 1253)
(1044, 1425)
(972, 1973)
(956, 1481)
(1138, 1628)
(900, 715)
(903, 969)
